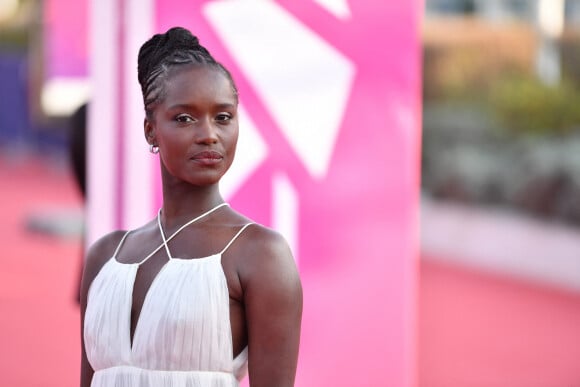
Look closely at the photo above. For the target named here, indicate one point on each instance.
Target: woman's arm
(273, 302)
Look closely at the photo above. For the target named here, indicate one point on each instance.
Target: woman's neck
(183, 201)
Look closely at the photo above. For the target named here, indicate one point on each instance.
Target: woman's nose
(206, 132)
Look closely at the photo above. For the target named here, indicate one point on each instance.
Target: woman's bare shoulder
(104, 247)
(98, 254)
(265, 252)
(267, 241)
(256, 240)
(272, 296)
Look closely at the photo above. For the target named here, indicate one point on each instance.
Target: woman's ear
(149, 131)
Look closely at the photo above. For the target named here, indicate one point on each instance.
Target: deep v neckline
(133, 332)
(137, 319)
(149, 291)
(184, 321)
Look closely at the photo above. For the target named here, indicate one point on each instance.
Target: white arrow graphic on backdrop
(303, 80)
(339, 8)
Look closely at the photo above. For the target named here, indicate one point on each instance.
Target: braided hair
(163, 52)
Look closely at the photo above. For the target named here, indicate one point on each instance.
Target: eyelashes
(224, 117)
(184, 118)
(220, 117)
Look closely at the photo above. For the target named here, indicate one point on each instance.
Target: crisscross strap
(166, 240)
(162, 235)
(235, 237)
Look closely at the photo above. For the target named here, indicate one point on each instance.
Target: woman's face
(196, 125)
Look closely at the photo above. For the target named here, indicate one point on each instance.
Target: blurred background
(500, 236)
(499, 288)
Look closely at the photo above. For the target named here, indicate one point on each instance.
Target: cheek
(233, 143)
(177, 140)
(172, 148)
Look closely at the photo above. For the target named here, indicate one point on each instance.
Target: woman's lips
(207, 157)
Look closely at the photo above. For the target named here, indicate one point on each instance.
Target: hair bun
(175, 47)
(175, 41)
(180, 37)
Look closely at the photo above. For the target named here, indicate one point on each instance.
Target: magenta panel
(358, 224)
(65, 37)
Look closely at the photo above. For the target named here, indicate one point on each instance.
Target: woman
(192, 296)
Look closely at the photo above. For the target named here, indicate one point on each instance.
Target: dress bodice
(183, 334)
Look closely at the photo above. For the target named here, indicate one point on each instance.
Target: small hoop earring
(153, 149)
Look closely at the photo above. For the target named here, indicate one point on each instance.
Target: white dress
(183, 335)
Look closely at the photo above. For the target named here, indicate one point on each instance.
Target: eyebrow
(225, 105)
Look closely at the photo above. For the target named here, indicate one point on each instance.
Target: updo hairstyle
(163, 52)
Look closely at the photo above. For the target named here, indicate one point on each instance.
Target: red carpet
(38, 313)
(478, 330)
(474, 330)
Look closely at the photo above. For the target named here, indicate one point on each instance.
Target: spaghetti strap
(235, 237)
(163, 234)
(151, 254)
(166, 240)
(120, 243)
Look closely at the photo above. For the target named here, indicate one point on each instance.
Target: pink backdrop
(357, 224)
(65, 38)
(330, 94)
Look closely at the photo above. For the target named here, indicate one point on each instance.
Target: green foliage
(526, 106)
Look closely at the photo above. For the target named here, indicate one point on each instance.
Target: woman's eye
(183, 118)
(223, 117)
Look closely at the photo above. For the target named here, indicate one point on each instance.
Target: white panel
(285, 211)
(285, 60)
(250, 153)
(102, 119)
(514, 244)
(339, 8)
(138, 162)
(551, 15)
(62, 96)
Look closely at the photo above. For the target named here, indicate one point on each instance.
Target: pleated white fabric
(183, 335)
